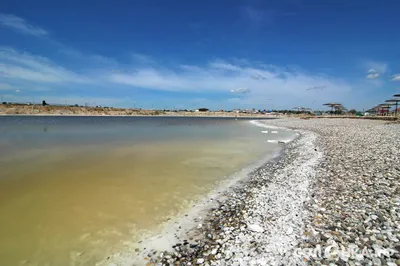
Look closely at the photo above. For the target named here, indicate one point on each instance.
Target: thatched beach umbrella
(394, 102)
(373, 110)
(384, 107)
(298, 108)
(331, 105)
(335, 106)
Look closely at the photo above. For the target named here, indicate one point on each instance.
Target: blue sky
(189, 54)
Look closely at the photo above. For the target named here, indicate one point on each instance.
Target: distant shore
(50, 110)
(53, 110)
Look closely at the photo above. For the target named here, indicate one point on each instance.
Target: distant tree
(44, 103)
(353, 112)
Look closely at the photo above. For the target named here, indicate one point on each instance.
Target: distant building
(202, 110)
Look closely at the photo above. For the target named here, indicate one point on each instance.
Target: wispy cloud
(375, 69)
(316, 88)
(218, 77)
(396, 77)
(224, 76)
(22, 66)
(373, 75)
(20, 25)
(241, 90)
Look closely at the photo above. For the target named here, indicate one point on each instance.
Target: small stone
(200, 261)
(376, 261)
(289, 231)
(255, 228)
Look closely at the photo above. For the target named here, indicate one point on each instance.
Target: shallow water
(74, 189)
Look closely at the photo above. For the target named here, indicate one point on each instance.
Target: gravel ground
(332, 198)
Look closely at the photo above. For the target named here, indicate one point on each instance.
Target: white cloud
(219, 77)
(258, 76)
(317, 88)
(396, 77)
(20, 25)
(224, 66)
(15, 65)
(241, 90)
(375, 67)
(372, 75)
(222, 76)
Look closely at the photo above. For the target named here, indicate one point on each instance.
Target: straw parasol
(394, 102)
(385, 107)
(298, 108)
(336, 106)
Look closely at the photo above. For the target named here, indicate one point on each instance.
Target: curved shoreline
(332, 198)
(182, 227)
(199, 235)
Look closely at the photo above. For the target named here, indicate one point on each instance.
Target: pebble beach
(331, 198)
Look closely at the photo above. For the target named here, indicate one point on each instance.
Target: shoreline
(191, 228)
(333, 196)
(392, 119)
(183, 227)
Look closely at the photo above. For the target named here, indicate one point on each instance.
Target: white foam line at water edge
(260, 124)
(279, 141)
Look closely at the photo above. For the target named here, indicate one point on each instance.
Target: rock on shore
(332, 198)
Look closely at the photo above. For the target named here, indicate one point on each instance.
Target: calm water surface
(74, 189)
